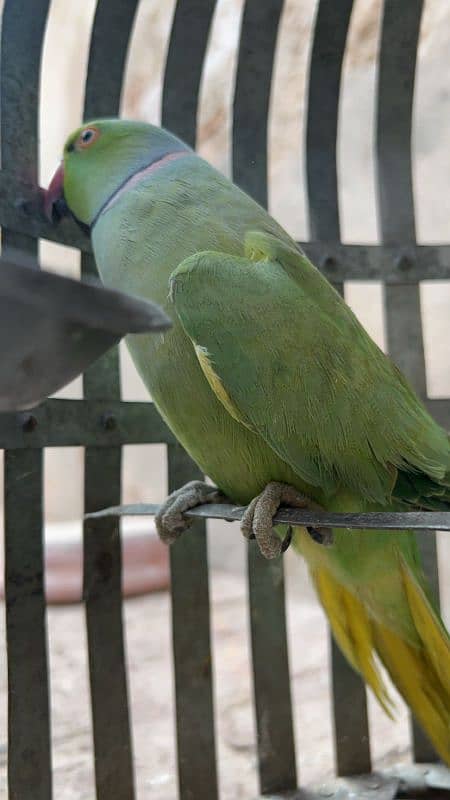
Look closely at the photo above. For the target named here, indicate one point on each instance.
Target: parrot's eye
(87, 137)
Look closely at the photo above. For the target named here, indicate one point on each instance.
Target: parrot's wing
(289, 360)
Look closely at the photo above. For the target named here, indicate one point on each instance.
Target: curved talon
(321, 535)
(287, 539)
(257, 519)
(170, 520)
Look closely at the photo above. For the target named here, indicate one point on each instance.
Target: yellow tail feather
(429, 627)
(421, 673)
(352, 631)
(416, 681)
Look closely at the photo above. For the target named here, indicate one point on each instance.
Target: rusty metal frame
(102, 423)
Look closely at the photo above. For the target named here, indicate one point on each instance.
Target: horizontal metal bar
(396, 264)
(83, 423)
(415, 520)
(21, 211)
(102, 423)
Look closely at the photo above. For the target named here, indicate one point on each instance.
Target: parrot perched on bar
(275, 389)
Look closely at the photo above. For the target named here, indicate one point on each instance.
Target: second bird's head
(100, 160)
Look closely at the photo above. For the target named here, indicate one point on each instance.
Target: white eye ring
(87, 135)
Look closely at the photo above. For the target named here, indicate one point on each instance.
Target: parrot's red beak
(55, 206)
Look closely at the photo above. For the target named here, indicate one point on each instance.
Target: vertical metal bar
(111, 31)
(271, 680)
(102, 594)
(29, 742)
(396, 73)
(196, 749)
(351, 728)
(257, 43)
(23, 28)
(271, 677)
(29, 755)
(330, 34)
(102, 479)
(182, 75)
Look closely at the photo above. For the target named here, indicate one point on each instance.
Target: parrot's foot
(170, 522)
(257, 522)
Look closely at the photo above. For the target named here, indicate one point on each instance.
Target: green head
(99, 158)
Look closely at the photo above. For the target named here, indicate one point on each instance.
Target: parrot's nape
(275, 389)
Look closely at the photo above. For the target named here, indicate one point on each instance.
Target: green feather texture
(267, 375)
(343, 415)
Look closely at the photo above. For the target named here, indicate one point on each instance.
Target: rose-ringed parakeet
(275, 389)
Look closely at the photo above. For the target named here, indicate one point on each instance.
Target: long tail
(420, 671)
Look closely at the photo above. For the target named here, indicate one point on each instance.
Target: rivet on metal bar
(28, 422)
(404, 262)
(328, 262)
(108, 421)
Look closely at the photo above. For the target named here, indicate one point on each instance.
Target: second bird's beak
(55, 206)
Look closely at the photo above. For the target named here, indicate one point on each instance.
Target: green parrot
(274, 388)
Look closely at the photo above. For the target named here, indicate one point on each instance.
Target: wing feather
(288, 358)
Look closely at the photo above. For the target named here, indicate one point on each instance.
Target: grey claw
(256, 522)
(287, 539)
(170, 520)
(322, 536)
(257, 519)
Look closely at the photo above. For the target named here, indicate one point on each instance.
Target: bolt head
(109, 421)
(404, 262)
(29, 423)
(328, 263)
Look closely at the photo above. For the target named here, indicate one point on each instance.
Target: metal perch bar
(383, 520)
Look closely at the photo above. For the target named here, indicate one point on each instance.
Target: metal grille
(81, 422)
